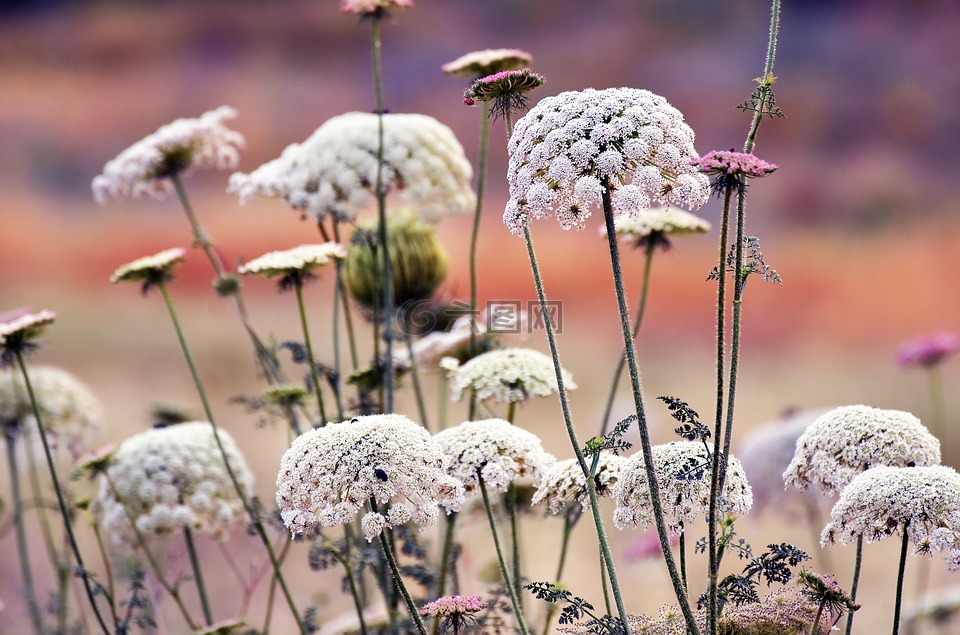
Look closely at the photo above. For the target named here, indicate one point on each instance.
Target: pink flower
(928, 350)
(452, 606)
(731, 163)
(648, 546)
(370, 7)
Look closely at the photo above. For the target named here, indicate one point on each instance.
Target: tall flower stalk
(504, 571)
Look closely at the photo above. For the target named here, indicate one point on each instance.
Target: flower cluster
(567, 146)
(505, 90)
(731, 169)
(71, 413)
(452, 605)
(495, 449)
(654, 226)
(488, 62)
(507, 375)
(146, 168)
(372, 7)
(302, 260)
(563, 483)
(335, 170)
(824, 590)
(150, 269)
(167, 478)
(923, 501)
(17, 330)
(329, 474)
(928, 350)
(683, 473)
(848, 440)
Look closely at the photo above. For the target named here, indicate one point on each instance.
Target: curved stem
(475, 232)
(314, 375)
(26, 571)
(903, 564)
(855, 583)
(641, 415)
(569, 520)
(401, 587)
(507, 582)
(198, 575)
(251, 512)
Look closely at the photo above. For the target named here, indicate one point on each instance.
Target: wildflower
(147, 167)
(453, 611)
(70, 412)
(151, 270)
(329, 474)
(731, 169)
(505, 90)
(923, 501)
(648, 546)
(508, 375)
(454, 342)
(683, 472)
(784, 611)
(499, 451)
(298, 263)
(563, 483)
(372, 7)
(928, 350)
(848, 440)
(488, 62)
(18, 329)
(563, 150)
(655, 226)
(825, 591)
(173, 477)
(335, 170)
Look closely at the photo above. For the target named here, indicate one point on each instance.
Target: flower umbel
(146, 168)
(453, 611)
(928, 350)
(488, 62)
(731, 169)
(507, 375)
(505, 90)
(372, 7)
(18, 330)
(151, 270)
(296, 263)
(825, 591)
(563, 483)
(656, 226)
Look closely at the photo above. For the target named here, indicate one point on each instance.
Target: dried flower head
(883, 500)
(488, 62)
(372, 7)
(783, 611)
(563, 150)
(298, 263)
(654, 227)
(454, 611)
(563, 483)
(505, 91)
(146, 168)
(335, 170)
(168, 478)
(151, 270)
(71, 414)
(18, 330)
(507, 375)
(928, 350)
(499, 451)
(731, 169)
(825, 591)
(683, 473)
(848, 440)
(329, 474)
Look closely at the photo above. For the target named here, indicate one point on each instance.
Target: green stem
(26, 571)
(641, 415)
(683, 557)
(61, 499)
(401, 587)
(475, 233)
(111, 594)
(855, 583)
(445, 563)
(347, 319)
(417, 388)
(311, 360)
(637, 321)
(900, 570)
(767, 72)
(515, 540)
(815, 627)
(569, 520)
(571, 432)
(272, 592)
(507, 582)
(511, 411)
(198, 574)
(251, 512)
(605, 587)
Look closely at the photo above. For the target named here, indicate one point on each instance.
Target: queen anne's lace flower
(366, 7)
(144, 169)
(566, 145)
(563, 483)
(329, 474)
(501, 452)
(683, 473)
(487, 62)
(451, 606)
(928, 350)
(150, 267)
(880, 501)
(20, 326)
(848, 440)
(302, 259)
(668, 221)
(335, 170)
(507, 375)
(174, 477)
(71, 413)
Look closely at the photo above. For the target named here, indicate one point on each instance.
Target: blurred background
(861, 220)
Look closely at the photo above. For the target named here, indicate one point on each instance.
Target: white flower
(22, 325)
(429, 349)
(305, 259)
(848, 440)
(567, 144)
(335, 170)
(71, 413)
(487, 62)
(664, 220)
(144, 169)
(174, 477)
(329, 474)
(508, 375)
(563, 483)
(880, 501)
(683, 473)
(501, 452)
(149, 267)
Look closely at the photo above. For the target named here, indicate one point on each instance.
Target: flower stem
(111, 594)
(507, 582)
(198, 575)
(314, 375)
(514, 539)
(445, 558)
(641, 415)
(637, 321)
(61, 499)
(855, 583)
(401, 587)
(475, 233)
(683, 557)
(571, 432)
(903, 564)
(251, 512)
(605, 587)
(815, 627)
(347, 319)
(354, 592)
(569, 520)
(417, 388)
(29, 589)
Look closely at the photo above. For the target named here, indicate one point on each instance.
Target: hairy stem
(855, 583)
(445, 558)
(515, 539)
(475, 232)
(507, 582)
(401, 587)
(569, 520)
(900, 570)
